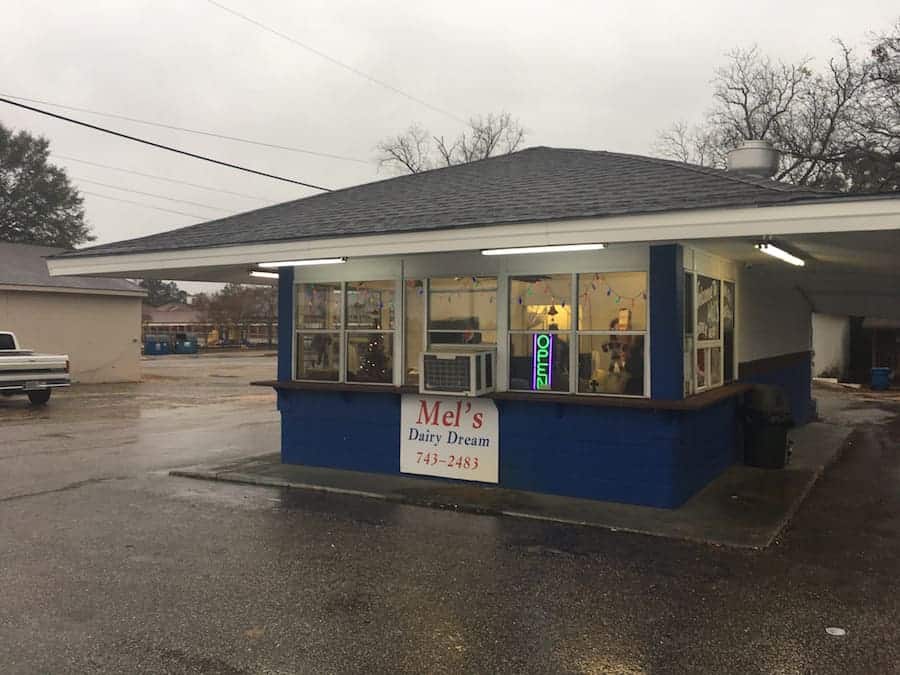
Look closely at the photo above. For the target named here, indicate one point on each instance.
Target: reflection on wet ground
(109, 565)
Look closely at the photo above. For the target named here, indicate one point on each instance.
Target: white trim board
(842, 216)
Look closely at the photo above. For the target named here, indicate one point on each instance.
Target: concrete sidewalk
(745, 507)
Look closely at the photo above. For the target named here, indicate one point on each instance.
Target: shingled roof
(25, 265)
(536, 184)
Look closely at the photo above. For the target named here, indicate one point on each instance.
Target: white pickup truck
(24, 372)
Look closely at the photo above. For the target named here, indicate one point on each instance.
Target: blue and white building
(565, 321)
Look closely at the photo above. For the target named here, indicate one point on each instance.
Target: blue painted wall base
(649, 457)
(796, 380)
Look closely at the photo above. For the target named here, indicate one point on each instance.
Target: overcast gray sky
(590, 74)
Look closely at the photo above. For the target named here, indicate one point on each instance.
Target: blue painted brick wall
(796, 380)
(651, 457)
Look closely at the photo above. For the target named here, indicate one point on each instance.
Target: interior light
(263, 275)
(563, 248)
(298, 263)
(781, 254)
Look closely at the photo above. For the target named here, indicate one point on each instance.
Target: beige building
(96, 321)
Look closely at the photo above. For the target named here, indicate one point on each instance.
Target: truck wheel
(39, 397)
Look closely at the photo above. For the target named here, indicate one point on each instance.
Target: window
(370, 331)
(612, 330)
(413, 328)
(728, 320)
(345, 331)
(584, 333)
(318, 337)
(712, 344)
(688, 333)
(462, 311)
(540, 326)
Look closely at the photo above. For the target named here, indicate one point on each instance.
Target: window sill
(695, 402)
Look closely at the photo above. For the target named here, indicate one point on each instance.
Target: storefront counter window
(709, 341)
(462, 310)
(345, 331)
(318, 337)
(602, 317)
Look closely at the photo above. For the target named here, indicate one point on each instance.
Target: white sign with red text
(450, 438)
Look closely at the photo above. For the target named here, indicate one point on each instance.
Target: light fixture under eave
(300, 263)
(263, 275)
(562, 248)
(781, 254)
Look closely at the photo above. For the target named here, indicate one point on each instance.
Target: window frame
(344, 333)
(574, 334)
(501, 330)
(708, 345)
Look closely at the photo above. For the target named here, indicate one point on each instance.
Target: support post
(285, 323)
(666, 322)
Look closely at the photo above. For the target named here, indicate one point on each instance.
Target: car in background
(22, 372)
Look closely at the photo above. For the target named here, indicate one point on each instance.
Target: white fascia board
(74, 291)
(831, 216)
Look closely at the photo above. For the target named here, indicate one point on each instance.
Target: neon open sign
(542, 361)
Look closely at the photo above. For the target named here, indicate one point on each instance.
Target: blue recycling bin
(155, 346)
(881, 378)
(186, 346)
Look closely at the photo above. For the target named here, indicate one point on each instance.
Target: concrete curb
(389, 497)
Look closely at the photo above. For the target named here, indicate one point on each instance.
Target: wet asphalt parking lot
(109, 565)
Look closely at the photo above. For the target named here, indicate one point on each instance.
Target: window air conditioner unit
(458, 372)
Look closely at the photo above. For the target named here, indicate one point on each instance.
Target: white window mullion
(342, 335)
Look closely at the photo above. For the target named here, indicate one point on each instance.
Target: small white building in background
(96, 321)
(831, 345)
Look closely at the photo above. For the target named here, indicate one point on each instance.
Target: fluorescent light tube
(263, 275)
(298, 263)
(781, 254)
(563, 248)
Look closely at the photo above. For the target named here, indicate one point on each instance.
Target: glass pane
(539, 361)
(318, 356)
(465, 337)
(614, 301)
(611, 364)
(460, 308)
(708, 320)
(370, 305)
(728, 314)
(541, 302)
(370, 357)
(688, 303)
(319, 306)
(414, 328)
(688, 365)
(701, 368)
(715, 366)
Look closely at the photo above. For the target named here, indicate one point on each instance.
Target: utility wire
(336, 62)
(187, 130)
(155, 177)
(163, 147)
(151, 194)
(146, 206)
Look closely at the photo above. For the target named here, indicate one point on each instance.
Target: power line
(163, 147)
(331, 59)
(163, 178)
(187, 130)
(152, 194)
(146, 206)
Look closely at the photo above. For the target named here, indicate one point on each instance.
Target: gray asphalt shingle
(530, 185)
(26, 265)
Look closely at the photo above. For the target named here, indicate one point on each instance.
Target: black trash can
(767, 418)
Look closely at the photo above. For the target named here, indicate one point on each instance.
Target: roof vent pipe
(757, 158)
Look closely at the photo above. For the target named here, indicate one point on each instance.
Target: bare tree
(415, 150)
(409, 151)
(824, 123)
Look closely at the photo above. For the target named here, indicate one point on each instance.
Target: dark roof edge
(800, 199)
